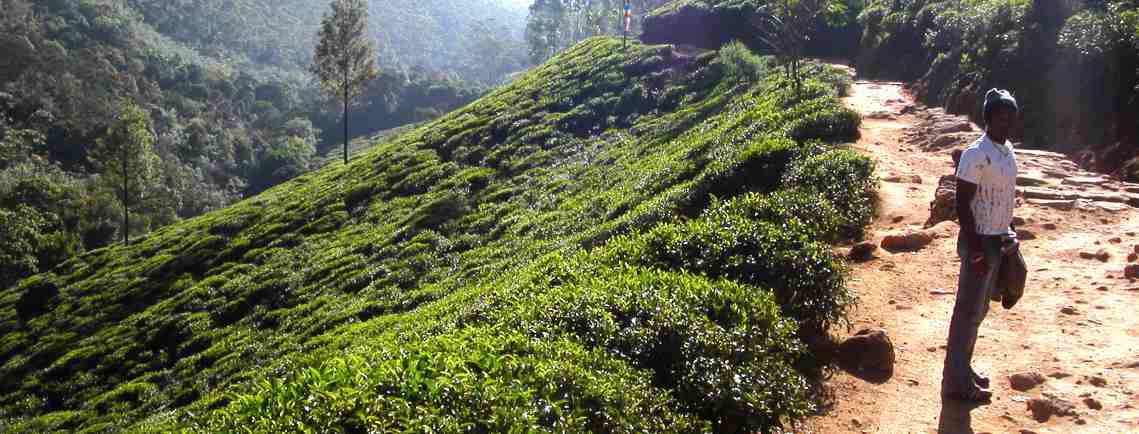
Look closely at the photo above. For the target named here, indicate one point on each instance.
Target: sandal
(973, 394)
(980, 381)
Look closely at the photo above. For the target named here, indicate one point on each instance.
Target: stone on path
(1131, 271)
(1093, 404)
(868, 349)
(907, 240)
(1044, 408)
(1102, 255)
(1097, 381)
(903, 179)
(1025, 380)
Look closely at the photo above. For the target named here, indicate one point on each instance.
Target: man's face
(1000, 121)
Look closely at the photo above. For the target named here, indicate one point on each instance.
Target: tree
(787, 26)
(126, 159)
(345, 59)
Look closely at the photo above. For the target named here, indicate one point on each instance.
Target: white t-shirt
(992, 167)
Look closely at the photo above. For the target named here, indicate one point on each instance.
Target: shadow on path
(955, 416)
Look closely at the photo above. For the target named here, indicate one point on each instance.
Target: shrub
(844, 178)
(805, 277)
(573, 345)
(740, 63)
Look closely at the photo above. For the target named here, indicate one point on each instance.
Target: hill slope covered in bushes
(615, 242)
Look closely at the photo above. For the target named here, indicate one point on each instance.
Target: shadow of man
(955, 416)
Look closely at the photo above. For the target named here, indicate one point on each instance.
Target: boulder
(943, 207)
(869, 349)
(908, 240)
(1025, 380)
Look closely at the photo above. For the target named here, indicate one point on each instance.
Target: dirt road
(1077, 325)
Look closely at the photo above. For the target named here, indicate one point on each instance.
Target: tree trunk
(346, 119)
(126, 200)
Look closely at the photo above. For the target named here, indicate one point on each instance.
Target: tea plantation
(617, 241)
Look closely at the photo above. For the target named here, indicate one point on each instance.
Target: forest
(229, 101)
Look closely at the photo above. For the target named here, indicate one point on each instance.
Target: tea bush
(533, 261)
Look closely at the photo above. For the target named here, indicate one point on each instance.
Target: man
(986, 194)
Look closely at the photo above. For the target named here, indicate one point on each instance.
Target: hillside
(554, 256)
(228, 98)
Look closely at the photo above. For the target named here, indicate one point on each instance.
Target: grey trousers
(969, 310)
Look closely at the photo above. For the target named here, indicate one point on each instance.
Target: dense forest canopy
(232, 107)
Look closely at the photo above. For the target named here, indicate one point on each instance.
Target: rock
(1059, 374)
(1044, 408)
(1086, 181)
(863, 251)
(884, 115)
(903, 179)
(1025, 380)
(869, 349)
(1062, 205)
(1131, 257)
(958, 126)
(1037, 153)
(1049, 226)
(1115, 240)
(1093, 404)
(1031, 180)
(1131, 271)
(1097, 381)
(1111, 207)
(943, 207)
(1045, 193)
(1025, 235)
(1069, 310)
(1100, 254)
(1018, 221)
(944, 141)
(898, 219)
(908, 240)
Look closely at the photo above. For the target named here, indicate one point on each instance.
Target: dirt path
(1092, 353)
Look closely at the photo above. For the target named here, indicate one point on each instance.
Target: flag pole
(628, 18)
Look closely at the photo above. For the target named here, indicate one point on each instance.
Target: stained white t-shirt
(992, 167)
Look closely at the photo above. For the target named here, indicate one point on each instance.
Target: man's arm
(966, 191)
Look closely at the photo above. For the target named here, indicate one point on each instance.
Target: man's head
(999, 110)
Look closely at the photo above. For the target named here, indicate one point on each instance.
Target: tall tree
(345, 59)
(126, 158)
(787, 26)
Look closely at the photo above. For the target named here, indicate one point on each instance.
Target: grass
(616, 241)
